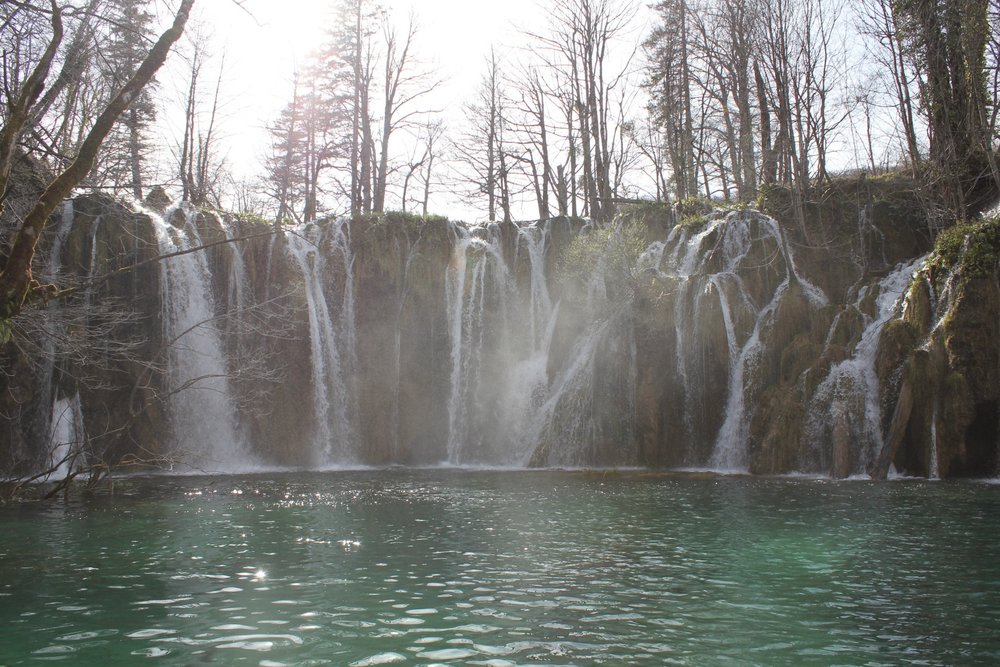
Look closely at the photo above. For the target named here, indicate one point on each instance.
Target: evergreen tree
(284, 165)
(124, 160)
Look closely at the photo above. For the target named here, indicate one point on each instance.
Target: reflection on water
(511, 568)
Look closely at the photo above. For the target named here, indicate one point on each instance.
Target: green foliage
(616, 247)
(400, 218)
(974, 249)
(252, 219)
(693, 211)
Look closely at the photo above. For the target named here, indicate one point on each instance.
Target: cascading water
(845, 408)
(499, 347)
(483, 346)
(65, 422)
(934, 467)
(331, 339)
(66, 432)
(397, 348)
(588, 416)
(720, 320)
(478, 298)
(455, 297)
(201, 405)
(239, 291)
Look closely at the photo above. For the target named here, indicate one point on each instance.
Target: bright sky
(264, 42)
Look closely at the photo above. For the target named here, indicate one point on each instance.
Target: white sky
(264, 41)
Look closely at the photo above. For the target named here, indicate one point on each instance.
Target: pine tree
(124, 160)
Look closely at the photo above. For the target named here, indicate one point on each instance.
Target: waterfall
(318, 251)
(526, 384)
(730, 447)
(546, 344)
(238, 297)
(455, 300)
(848, 398)
(411, 254)
(61, 416)
(499, 342)
(933, 469)
(564, 425)
(201, 406)
(66, 433)
(729, 452)
(709, 269)
(478, 300)
(540, 317)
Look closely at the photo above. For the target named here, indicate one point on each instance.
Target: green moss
(901, 331)
(693, 211)
(399, 218)
(973, 249)
(774, 199)
(948, 248)
(375, 229)
(252, 219)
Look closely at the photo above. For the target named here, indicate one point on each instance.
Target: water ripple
(498, 569)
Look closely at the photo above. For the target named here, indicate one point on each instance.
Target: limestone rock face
(93, 353)
(403, 352)
(943, 356)
(732, 342)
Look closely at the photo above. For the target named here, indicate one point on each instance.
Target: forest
(716, 99)
(600, 108)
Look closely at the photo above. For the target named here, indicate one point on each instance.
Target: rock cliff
(729, 340)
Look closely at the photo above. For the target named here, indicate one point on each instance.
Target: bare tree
(200, 162)
(878, 22)
(17, 283)
(403, 85)
(577, 44)
(534, 128)
(482, 151)
(422, 166)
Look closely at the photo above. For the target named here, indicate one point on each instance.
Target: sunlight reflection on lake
(504, 568)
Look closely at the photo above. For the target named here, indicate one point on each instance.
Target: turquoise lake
(504, 568)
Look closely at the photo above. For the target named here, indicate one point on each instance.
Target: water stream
(202, 407)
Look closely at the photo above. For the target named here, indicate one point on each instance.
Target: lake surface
(504, 568)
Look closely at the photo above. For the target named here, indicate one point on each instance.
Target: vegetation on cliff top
(974, 248)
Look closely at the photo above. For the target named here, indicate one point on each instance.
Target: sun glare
(298, 25)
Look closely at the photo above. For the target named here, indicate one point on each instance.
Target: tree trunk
(19, 111)
(16, 281)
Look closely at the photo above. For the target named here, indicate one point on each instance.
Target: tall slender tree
(124, 159)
